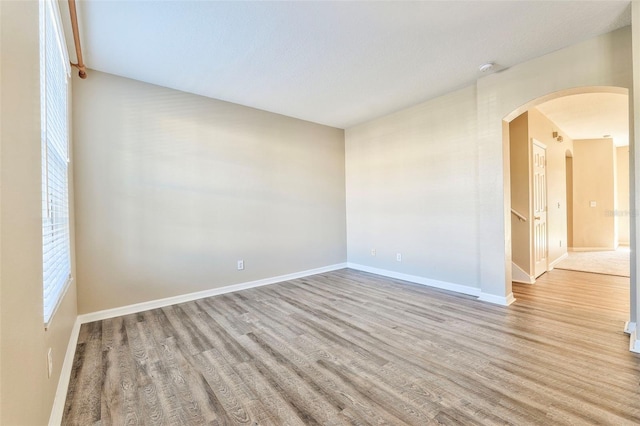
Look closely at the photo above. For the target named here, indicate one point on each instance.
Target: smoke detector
(486, 67)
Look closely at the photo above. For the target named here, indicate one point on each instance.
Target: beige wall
(520, 162)
(172, 189)
(27, 393)
(411, 180)
(594, 180)
(622, 190)
(541, 129)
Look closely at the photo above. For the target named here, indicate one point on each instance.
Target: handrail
(518, 215)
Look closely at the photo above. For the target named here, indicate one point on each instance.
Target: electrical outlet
(399, 257)
(373, 252)
(49, 362)
(240, 265)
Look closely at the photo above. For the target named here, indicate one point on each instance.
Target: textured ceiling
(591, 116)
(334, 63)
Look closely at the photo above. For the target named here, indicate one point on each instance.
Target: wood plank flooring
(348, 347)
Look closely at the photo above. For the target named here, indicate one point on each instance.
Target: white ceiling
(591, 116)
(334, 63)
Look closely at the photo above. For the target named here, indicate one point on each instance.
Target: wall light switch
(592, 204)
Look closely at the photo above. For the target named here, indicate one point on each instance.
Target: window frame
(55, 146)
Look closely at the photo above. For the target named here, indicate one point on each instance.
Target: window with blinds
(54, 104)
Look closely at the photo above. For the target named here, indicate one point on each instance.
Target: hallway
(613, 262)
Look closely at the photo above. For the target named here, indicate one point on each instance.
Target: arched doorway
(630, 327)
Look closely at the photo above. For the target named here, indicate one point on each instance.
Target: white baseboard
(497, 300)
(592, 248)
(458, 288)
(558, 260)
(159, 303)
(629, 327)
(65, 375)
(520, 276)
(634, 343)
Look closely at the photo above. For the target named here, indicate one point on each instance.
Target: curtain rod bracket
(82, 70)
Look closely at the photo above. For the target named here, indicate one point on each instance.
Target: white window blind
(54, 102)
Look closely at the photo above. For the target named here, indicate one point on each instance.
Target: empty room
(319, 212)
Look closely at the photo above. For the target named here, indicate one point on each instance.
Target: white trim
(529, 282)
(59, 302)
(558, 260)
(629, 327)
(592, 248)
(458, 288)
(634, 343)
(539, 144)
(518, 275)
(497, 300)
(65, 375)
(159, 303)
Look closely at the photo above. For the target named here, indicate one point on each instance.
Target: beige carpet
(598, 262)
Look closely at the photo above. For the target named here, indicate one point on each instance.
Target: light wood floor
(348, 347)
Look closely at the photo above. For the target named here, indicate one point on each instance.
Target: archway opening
(560, 197)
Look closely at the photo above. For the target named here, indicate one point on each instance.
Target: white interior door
(540, 244)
